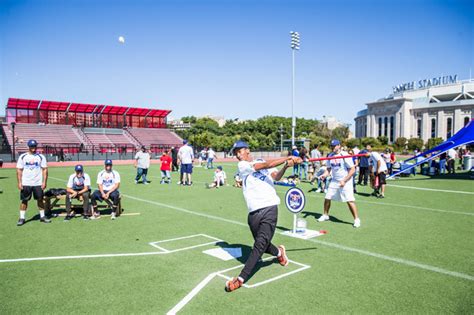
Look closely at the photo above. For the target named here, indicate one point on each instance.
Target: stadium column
(458, 121)
(425, 134)
(440, 125)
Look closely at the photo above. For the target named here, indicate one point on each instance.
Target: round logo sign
(295, 200)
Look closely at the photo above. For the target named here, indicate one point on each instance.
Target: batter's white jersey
(257, 186)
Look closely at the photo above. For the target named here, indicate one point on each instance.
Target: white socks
(22, 214)
(41, 213)
(279, 253)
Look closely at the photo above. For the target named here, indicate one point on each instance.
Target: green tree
(353, 142)
(341, 133)
(415, 144)
(370, 141)
(432, 142)
(383, 140)
(400, 143)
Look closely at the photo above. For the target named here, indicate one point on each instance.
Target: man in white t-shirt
(220, 178)
(451, 159)
(142, 163)
(341, 184)
(378, 172)
(32, 176)
(186, 157)
(211, 155)
(262, 203)
(78, 185)
(108, 182)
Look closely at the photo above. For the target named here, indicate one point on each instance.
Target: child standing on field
(165, 168)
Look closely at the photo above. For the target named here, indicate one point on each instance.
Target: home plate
(225, 254)
(304, 235)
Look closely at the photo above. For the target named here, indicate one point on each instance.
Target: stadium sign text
(426, 83)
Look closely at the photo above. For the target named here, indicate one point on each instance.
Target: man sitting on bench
(108, 181)
(78, 185)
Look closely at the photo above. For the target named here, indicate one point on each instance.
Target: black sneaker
(380, 196)
(68, 217)
(20, 222)
(85, 217)
(45, 220)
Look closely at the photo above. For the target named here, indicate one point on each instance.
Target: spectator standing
(296, 153)
(186, 157)
(304, 165)
(315, 154)
(32, 176)
(378, 170)
(387, 157)
(442, 163)
(211, 155)
(142, 163)
(363, 168)
(451, 154)
(174, 158)
(165, 168)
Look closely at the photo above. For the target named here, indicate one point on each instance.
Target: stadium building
(85, 131)
(425, 109)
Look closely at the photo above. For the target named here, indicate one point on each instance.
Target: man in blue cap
(341, 184)
(108, 182)
(78, 185)
(32, 176)
(262, 202)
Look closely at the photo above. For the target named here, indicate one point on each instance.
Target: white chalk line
(221, 274)
(191, 294)
(432, 189)
(341, 247)
(161, 252)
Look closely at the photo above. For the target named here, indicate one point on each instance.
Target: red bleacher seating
(51, 135)
(153, 137)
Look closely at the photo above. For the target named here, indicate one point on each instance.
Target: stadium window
(449, 127)
(433, 128)
(380, 126)
(385, 127)
(418, 128)
(392, 129)
(466, 120)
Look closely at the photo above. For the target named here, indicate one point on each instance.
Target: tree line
(264, 134)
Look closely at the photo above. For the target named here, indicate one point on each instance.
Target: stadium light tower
(295, 45)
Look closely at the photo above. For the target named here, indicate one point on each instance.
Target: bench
(59, 202)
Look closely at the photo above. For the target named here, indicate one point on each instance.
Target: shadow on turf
(316, 215)
(245, 254)
(261, 264)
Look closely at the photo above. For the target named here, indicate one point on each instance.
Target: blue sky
(229, 58)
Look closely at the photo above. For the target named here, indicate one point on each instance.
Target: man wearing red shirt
(165, 168)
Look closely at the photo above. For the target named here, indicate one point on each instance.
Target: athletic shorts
(337, 193)
(27, 191)
(382, 178)
(186, 168)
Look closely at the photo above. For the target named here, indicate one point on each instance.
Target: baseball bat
(336, 157)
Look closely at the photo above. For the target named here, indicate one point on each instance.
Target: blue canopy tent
(462, 137)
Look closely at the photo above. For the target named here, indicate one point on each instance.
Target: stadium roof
(18, 103)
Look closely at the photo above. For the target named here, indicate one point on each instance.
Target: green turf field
(413, 253)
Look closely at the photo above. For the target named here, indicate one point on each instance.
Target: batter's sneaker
(323, 218)
(282, 259)
(20, 222)
(233, 284)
